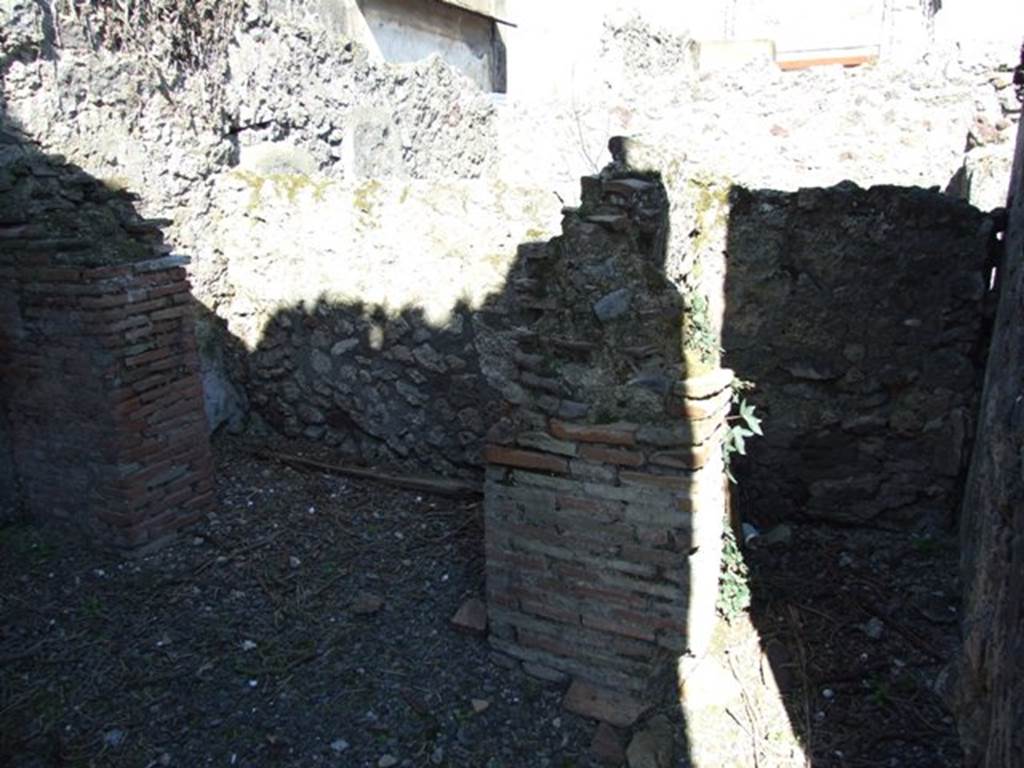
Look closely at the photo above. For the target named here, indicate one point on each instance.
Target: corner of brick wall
(106, 424)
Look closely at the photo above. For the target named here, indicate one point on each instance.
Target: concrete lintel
(492, 9)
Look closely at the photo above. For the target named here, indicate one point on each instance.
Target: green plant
(93, 607)
(700, 344)
(733, 580)
(742, 425)
(879, 691)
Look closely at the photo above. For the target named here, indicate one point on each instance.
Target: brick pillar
(100, 395)
(605, 492)
(107, 424)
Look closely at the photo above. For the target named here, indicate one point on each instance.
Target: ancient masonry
(605, 490)
(104, 425)
(861, 315)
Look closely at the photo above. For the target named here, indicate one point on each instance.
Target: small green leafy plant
(733, 580)
(741, 426)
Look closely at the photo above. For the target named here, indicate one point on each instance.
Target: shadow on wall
(863, 318)
(860, 315)
(375, 387)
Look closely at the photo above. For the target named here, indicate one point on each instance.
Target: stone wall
(989, 705)
(100, 391)
(300, 173)
(605, 491)
(376, 387)
(860, 316)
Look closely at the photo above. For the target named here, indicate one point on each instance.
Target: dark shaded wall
(373, 386)
(990, 704)
(859, 315)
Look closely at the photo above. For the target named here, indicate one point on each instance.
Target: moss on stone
(711, 198)
(364, 196)
(287, 185)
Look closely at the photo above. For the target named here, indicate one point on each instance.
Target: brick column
(605, 492)
(108, 430)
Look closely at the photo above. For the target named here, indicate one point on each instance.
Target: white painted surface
(411, 30)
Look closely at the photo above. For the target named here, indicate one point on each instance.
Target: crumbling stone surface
(860, 316)
(988, 704)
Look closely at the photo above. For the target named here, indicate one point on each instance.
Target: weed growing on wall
(742, 425)
(733, 580)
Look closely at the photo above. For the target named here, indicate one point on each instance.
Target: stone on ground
(602, 704)
(652, 746)
(367, 603)
(606, 746)
(471, 617)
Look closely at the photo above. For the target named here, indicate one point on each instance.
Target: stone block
(471, 617)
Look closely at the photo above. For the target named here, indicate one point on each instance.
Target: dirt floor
(307, 623)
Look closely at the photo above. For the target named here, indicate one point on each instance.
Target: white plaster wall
(410, 30)
(403, 31)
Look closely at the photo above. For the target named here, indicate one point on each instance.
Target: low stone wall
(860, 315)
(100, 387)
(605, 493)
(387, 388)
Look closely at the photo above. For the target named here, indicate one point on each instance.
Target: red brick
(119, 270)
(168, 412)
(57, 274)
(518, 560)
(167, 290)
(154, 354)
(619, 456)
(693, 458)
(648, 619)
(201, 501)
(167, 314)
(536, 605)
(619, 627)
(148, 307)
(103, 302)
(516, 457)
(505, 600)
(587, 505)
(619, 433)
